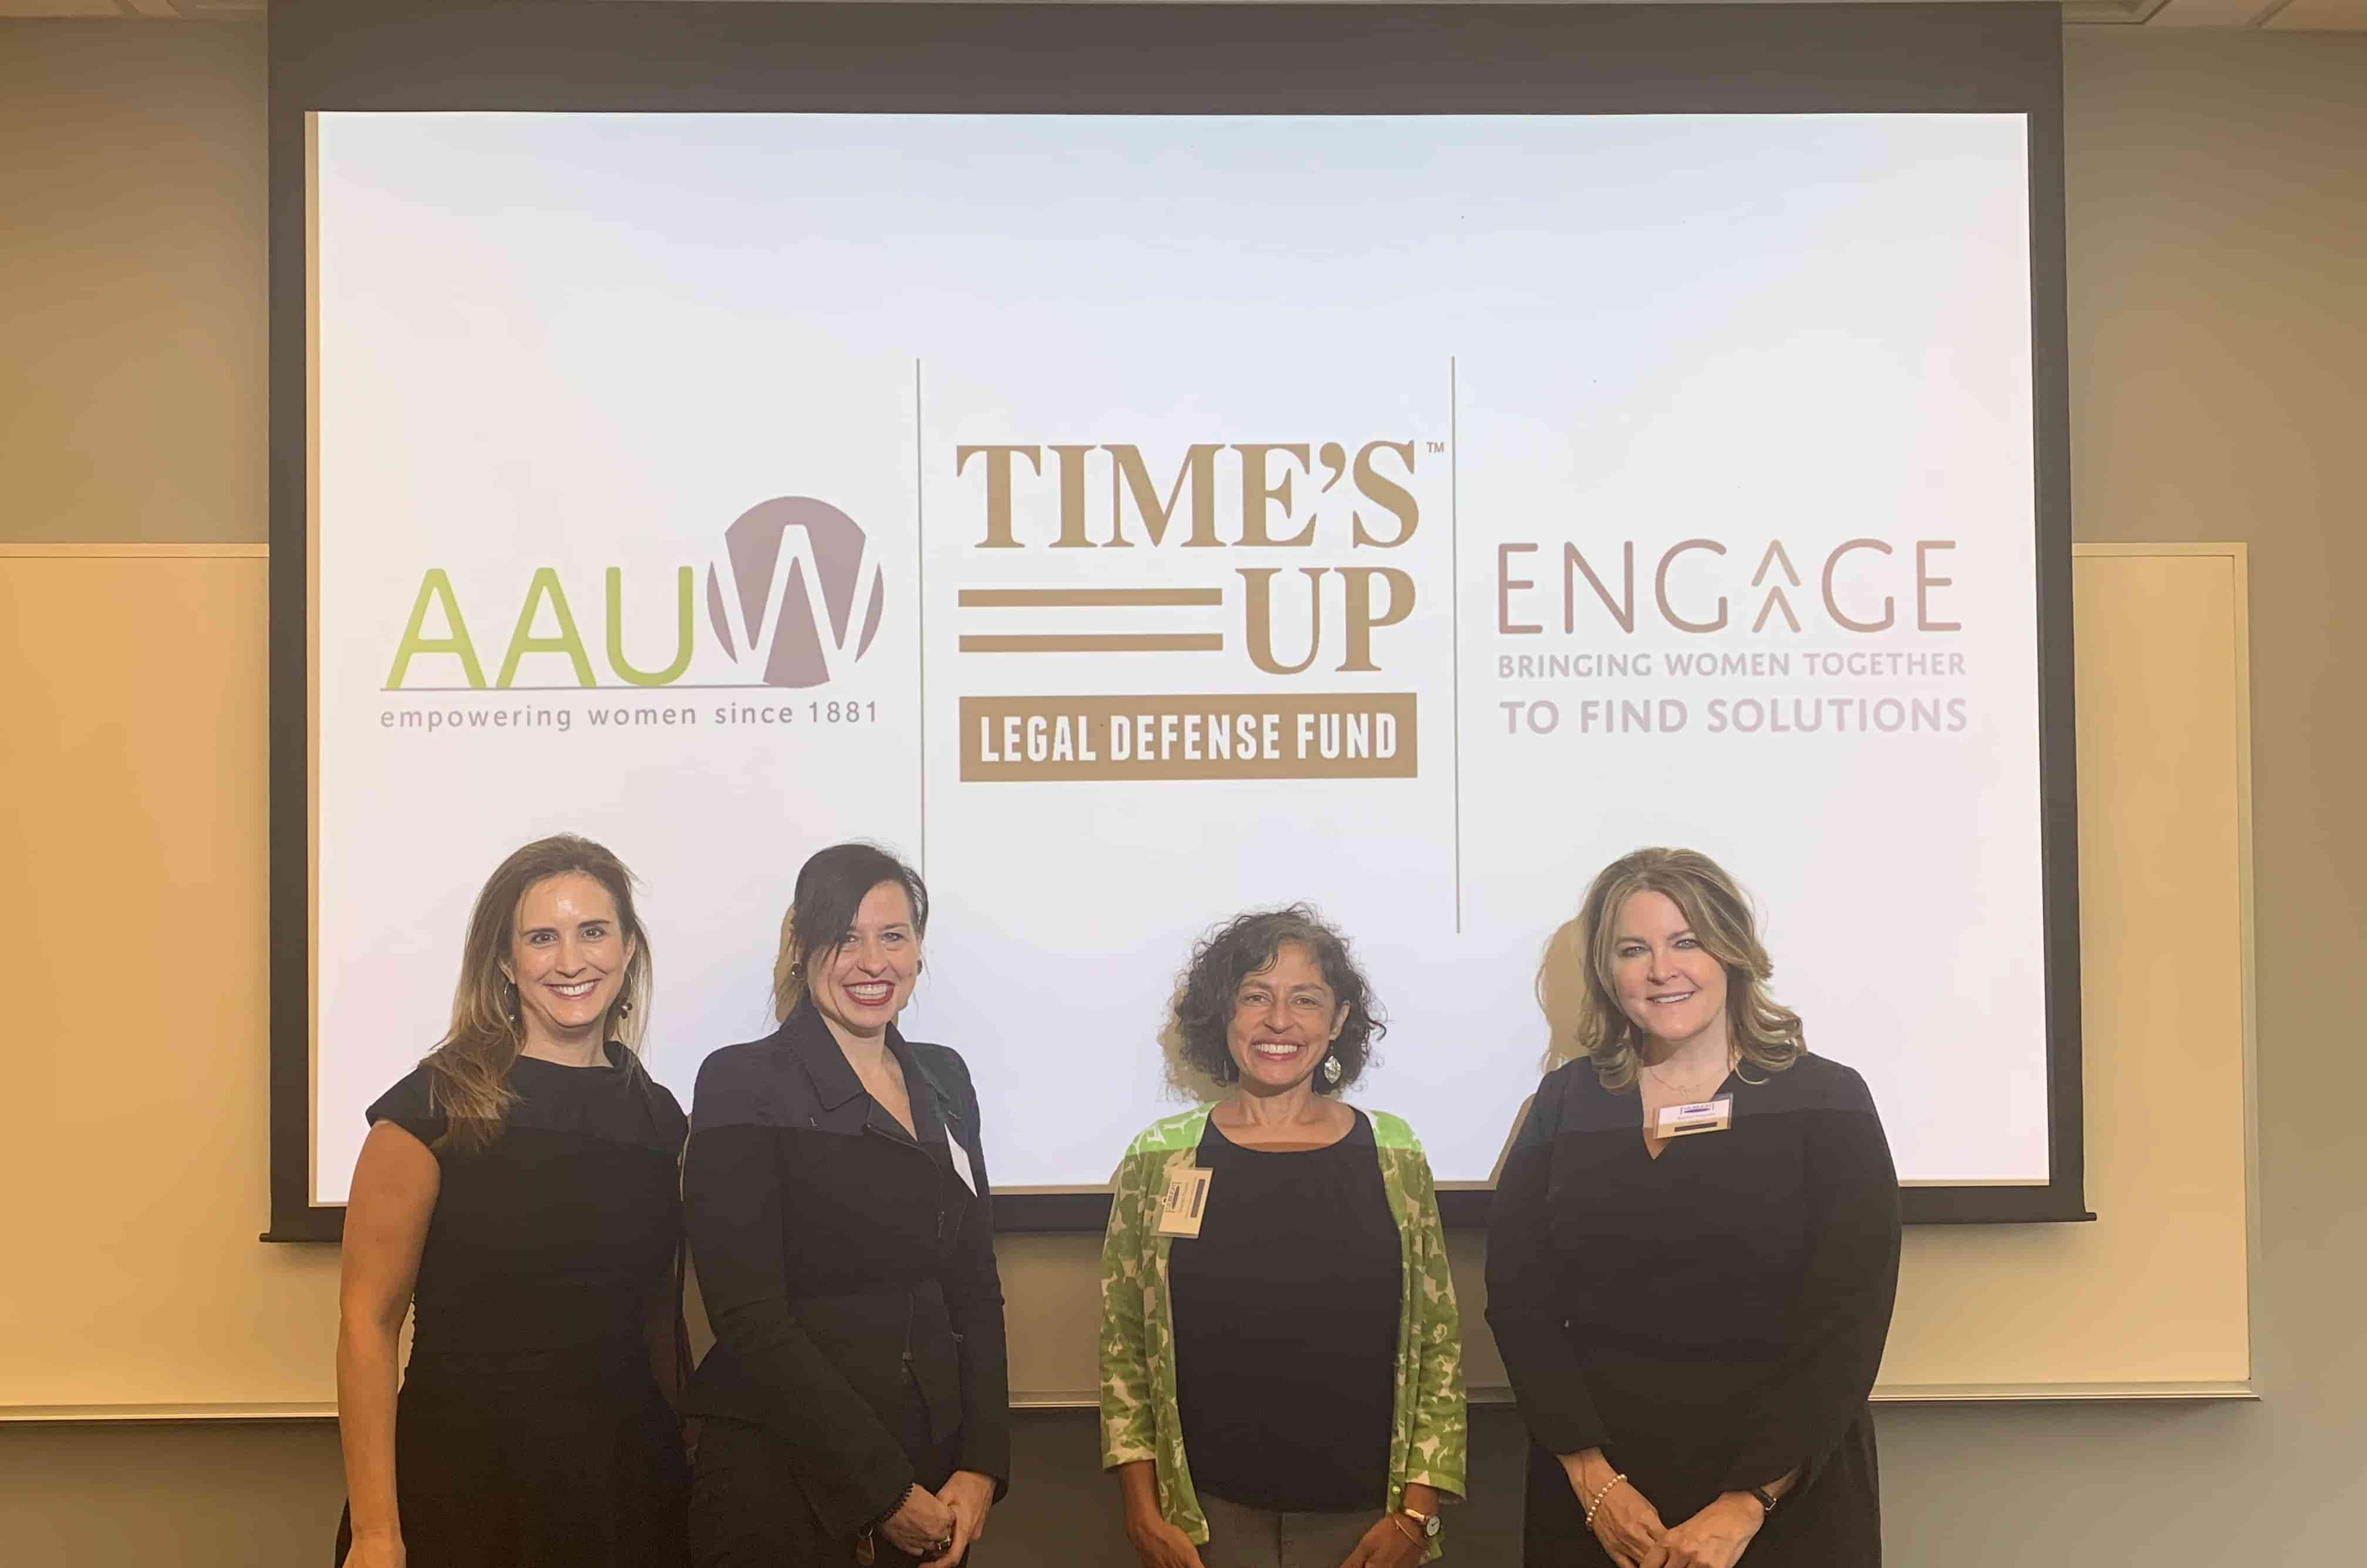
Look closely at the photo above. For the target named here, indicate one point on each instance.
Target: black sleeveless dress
(530, 1432)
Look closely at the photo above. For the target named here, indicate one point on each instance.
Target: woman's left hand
(969, 1496)
(1716, 1537)
(1387, 1544)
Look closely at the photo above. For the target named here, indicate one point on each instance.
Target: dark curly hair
(1247, 945)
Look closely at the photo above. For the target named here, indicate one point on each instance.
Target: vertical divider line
(1455, 618)
(921, 599)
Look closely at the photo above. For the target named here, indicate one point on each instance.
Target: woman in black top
(518, 1188)
(856, 1401)
(1281, 1358)
(1693, 1251)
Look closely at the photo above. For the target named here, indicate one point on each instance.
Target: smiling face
(1666, 981)
(861, 984)
(568, 954)
(1284, 1017)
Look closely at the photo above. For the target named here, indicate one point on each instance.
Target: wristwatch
(1766, 1498)
(1426, 1523)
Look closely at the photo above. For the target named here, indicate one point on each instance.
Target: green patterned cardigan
(1139, 1419)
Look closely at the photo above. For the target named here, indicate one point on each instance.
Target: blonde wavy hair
(468, 1071)
(1581, 998)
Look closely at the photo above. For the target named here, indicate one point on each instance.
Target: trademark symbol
(1435, 446)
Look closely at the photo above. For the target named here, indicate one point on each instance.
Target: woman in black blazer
(856, 1403)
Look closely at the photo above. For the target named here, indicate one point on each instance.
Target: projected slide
(1135, 520)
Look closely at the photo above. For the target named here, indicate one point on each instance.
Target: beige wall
(2218, 317)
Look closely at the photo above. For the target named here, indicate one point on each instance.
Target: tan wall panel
(133, 704)
(2156, 1291)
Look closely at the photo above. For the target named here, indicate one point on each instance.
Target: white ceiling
(2274, 16)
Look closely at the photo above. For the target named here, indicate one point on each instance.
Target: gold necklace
(1688, 1095)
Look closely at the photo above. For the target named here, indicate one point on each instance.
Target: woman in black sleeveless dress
(519, 1188)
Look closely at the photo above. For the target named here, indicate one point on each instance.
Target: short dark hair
(832, 886)
(1249, 944)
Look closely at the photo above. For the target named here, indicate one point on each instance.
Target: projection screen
(1133, 519)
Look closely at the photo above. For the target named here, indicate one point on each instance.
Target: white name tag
(961, 1164)
(1703, 1116)
(1184, 1203)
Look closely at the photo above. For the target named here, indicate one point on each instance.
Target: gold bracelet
(1399, 1520)
(1599, 1496)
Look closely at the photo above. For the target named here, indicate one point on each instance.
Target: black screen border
(624, 56)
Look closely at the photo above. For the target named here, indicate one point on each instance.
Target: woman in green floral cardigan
(1281, 1374)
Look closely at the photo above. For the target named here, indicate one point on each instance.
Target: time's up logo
(1338, 504)
(781, 603)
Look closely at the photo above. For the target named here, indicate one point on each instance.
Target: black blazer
(847, 1268)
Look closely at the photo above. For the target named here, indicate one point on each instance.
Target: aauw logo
(781, 602)
(782, 598)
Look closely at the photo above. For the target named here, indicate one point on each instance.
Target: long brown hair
(1582, 1000)
(468, 1072)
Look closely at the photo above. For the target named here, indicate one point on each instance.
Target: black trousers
(748, 1510)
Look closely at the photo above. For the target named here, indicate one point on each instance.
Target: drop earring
(1332, 1070)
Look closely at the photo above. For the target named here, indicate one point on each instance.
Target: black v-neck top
(1713, 1318)
(1286, 1307)
(847, 1266)
(557, 1234)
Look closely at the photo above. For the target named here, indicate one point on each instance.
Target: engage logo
(782, 598)
(792, 615)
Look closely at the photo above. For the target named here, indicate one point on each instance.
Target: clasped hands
(954, 1513)
(1632, 1533)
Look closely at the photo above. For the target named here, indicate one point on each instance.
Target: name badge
(961, 1164)
(1184, 1203)
(1703, 1116)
